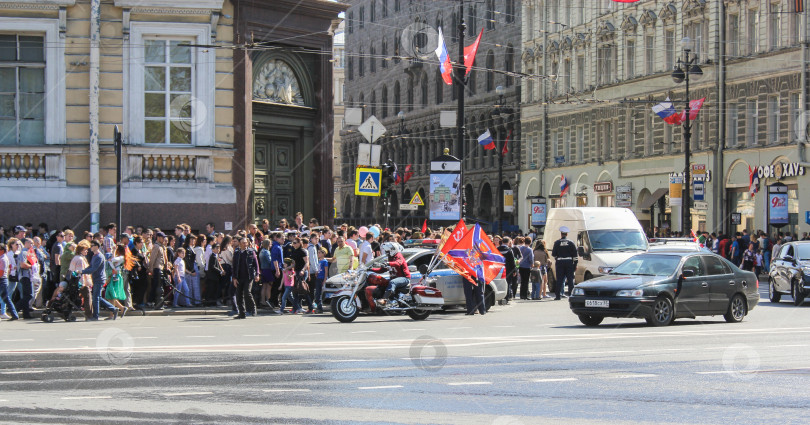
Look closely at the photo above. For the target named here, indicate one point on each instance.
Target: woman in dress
(541, 255)
(77, 264)
(115, 286)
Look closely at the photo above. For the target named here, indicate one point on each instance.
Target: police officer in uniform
(565, 256)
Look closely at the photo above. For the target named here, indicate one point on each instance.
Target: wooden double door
(274, 185)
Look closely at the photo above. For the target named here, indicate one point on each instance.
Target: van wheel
(489, 298)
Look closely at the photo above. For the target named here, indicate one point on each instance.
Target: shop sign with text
(780, 170)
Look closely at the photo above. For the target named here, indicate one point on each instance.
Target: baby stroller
(68, 301)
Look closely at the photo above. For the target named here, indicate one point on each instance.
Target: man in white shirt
(366, 252)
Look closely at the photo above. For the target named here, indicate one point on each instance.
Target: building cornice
(174, 5)
(36, 4)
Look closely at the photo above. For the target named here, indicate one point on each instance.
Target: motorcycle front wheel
(418, 314)
(344, 309)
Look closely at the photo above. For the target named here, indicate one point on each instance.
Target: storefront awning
(653, 198)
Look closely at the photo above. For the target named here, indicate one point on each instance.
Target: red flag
(470, 52)
(694, 108)
(424, 226)
(505, 142)
(455, 251)
(407, 175)
(453, 238)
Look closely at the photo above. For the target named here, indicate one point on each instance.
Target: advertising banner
(539, 212)
(778, 205)
(445, 188)
(508, 201)
(675, 191)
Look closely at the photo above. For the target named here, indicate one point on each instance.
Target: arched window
(510, 65)
(410, 93)
(490, 71)
(385, 101)
(384, 53)
(397, 99)
(439, 87)
(363, 105)
(424, 88)
(372, 61)
(374, 103)
(360, 68)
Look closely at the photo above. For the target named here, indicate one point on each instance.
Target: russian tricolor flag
(486, 141)
(564, 186)
(667, 112)
(444, 60)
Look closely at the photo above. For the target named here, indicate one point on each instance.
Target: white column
(95, 34)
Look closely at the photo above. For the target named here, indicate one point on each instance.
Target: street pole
(459, 87)
(118, 141)
(686, 208)
(500, 186)
(401, 159)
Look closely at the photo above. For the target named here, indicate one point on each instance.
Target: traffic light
(388, 178)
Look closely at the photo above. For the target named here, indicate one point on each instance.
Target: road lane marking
(310, 334)
(120, 368)
(363, 332)
(17, 340)
(200, 336)
(460, 327)
(413, 329)
(87, 397)
(287, 390)
(144, 337)
(635, 375)
(20, 372)
(186, 394)
(81, 339)
(380, 387)
(554, 379)
(183, 366)
(504, 326)
(717, 372)
(455, 384)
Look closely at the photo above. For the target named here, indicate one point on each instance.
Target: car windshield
(617, 240)
(803, 251)
(649, 265)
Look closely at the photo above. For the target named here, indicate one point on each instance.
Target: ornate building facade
(391, 68)
(607, 64)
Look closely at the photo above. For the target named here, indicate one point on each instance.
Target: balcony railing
(31, 163)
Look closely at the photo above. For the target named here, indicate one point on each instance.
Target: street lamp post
(401, 159)
(503, 112)
(683, 71)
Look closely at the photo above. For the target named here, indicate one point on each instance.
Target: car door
(783, 265)
(722, 283)
(693, 292)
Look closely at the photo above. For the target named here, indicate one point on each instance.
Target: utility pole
(459, 85)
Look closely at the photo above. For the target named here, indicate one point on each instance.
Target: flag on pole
(694, 108)
(667, 112)
(477, 255)
(407, 174)
(396, 174)
(505, 142)
(424, 227)
(445, 66)
(753, 181)
(486, 141)
(470, 52)
(564, 186)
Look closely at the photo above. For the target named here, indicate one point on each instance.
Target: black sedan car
(790, 272)
(663, 286)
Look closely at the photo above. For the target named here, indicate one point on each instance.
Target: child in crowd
(323, 267)
(181, 286)
(536, 275)
(758, 262)
(287, 282)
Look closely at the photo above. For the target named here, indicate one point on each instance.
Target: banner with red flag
(505, 143)
(470, 52)
(694, 108)
(424, 227)
(407, 174)
(477, 255)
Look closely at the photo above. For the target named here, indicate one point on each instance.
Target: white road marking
(635, 375)
(380, 387)
(364, 332)
(460, 327)
(185, 394)
(16, 340)
(200, 336)
(789, 369)
(504, 326)
(554, 379)
(413, 329)
(87, 397)
(313, 333)
(120, 368)
(81, 339)
(455, 384)
(20, 372)
(287, 390)
(144, 337)
(3, 401)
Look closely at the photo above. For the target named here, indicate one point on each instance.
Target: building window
(669, 49)
(568, 140)
(350, 68)
(490, 71)
(472, 20)
(410, 93)
(439, 87)
(606, 64)
(511, 11)
(733, 129)
(630, 65)
(361, 64)
(733, 45)
(372, 60)
(668, 138)
(168, 88)
(795, 25)
(773, 26)
(555, 69)
(372, 11)
(510, 65)
(351, 22)
(384, 8)
(580, 12)
(490, 14)
(567, 76)
(630, 136)
(773, 120)
(384, 53)
(530, 87)
(795, 114)
(580, 73)
(580, 144)
(649, 54)
(22, 89)
(397, 5)
(424, 87)
(362, 17)
(397, 98)
(752, 31)
(608, 138)
(385, 101)
(751, 123)
(374, 103)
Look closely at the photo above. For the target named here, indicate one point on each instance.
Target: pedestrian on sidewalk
(537, 280)
(288, 281)
(96, 272)
(213, 276)
(115, 293)
(245, 272)
(5, 299)
(26, 261)
(181, 291)
(525, 266)
(266, 267)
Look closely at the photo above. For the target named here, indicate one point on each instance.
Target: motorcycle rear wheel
(344, 309)
(418, 314)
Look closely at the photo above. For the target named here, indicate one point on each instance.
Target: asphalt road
(527, 363)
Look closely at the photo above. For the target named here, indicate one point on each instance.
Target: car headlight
(605, 270)
(578, 291)
(630, 293)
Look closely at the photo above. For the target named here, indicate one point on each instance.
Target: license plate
(597, 303)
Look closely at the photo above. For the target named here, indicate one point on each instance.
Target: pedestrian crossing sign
(367, 182)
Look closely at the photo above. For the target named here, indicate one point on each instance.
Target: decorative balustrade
(181, 165)
(30, 164)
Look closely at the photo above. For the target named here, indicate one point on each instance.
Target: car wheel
(797, 293)
(589, 320)
(737, 309)
(489, 298)
(773, 294)
(344, 309)
(662, 312)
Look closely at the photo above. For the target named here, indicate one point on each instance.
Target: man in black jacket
(245, 272)
(511, 269)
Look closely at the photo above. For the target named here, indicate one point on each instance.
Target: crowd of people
(262, 266)
(750, 252)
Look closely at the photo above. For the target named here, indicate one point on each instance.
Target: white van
(605, 237)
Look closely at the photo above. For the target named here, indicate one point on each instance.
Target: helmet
(390, 249)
